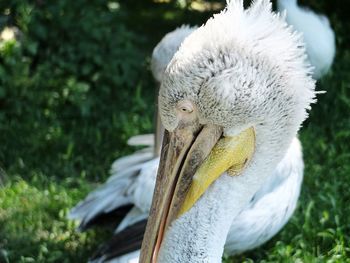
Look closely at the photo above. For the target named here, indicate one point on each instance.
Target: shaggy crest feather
(256, 29)
(237, 35)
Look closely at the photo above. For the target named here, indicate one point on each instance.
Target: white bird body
(236, 212)
(271, 207)
(265, 215)
(317, 33)
(166, 48)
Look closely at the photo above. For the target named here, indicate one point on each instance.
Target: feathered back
(317, 33)
(166, 48)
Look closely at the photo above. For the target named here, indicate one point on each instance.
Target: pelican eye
(185, 107)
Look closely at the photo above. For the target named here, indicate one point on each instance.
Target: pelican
(318, 35)
(231, 100)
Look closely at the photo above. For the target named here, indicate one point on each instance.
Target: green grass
(62, 125)
(34, 227)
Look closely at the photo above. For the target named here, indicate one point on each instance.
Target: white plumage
(266, 214)
(274, 200)
(121, 188)
(317, 33)
(166, 48)
(271, 207)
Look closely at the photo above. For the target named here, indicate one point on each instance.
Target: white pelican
(318, 35)
(232, 100)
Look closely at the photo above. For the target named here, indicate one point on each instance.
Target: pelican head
(161, 56)
(231, 100)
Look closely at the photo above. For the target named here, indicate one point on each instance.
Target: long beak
(159, 131)
(192, 158)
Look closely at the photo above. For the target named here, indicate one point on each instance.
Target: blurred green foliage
(75, 84)
(65, 83)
